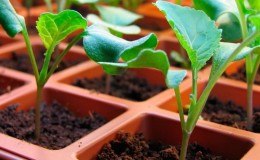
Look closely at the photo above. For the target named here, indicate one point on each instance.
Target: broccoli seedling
(201, 39)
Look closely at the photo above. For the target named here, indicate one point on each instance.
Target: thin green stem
(61, 5)
(108, 83)
(194, 88)
(30, 53)
(45, 66)
(37, 112)
(250, 83)
(184, 145)
(242, 19)
(64, 52)
(48, 4)
(193, 118)
(180, 108)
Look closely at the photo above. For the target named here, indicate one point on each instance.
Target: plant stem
(48, 4)
(37, 112)
(64, 52)
(30, 52)
(194, 89)
(249, 68)
(184, 144)
(180, 108)
(61, 5)
(193, 118)
(250, 82)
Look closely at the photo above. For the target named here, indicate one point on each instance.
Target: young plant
(53, 28)
(201, 39)
(245, 19)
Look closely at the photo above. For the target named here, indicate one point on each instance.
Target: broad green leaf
(53, 28)
(195, 31)
(102, 46)
(9, 19)
(174, 78)
(215, 8)
(132, 29)
(146, 58)
(255, 4)
(224, 52)
(117, 16)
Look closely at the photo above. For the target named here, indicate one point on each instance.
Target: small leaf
(195, 31)
(11, 22)
(174, 78)
(117, 16)
(132, 29)
(102, 46)
(53, 28)
(147, 58)
(224, 52)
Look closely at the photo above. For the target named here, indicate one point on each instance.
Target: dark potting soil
(135, 147)
(229, 114)
(126, 85)
(59, 127)
(240, 75)
(22, 63)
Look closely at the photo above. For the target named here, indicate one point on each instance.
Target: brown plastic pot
(77, 102)
(163, 126)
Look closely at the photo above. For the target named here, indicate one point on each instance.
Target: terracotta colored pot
(164, 126)
(77, 102)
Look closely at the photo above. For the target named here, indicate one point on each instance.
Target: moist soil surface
(126, 85)
(59, 127)
(135, 147)
(229, 114)
(240, 75)
(22, 63)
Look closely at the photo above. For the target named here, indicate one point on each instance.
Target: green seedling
(53, 28)
(245, 19)
(201, 39)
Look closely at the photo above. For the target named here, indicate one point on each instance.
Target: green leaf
(215, 8)
(195, 31)
(255, 21)
(174, 78)
(224, 52)
(11, 22)
(117, 16)
(255, 4)
(53, 28)
(230, 25)
(102, 46)
(132, 29)
(146, 58)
